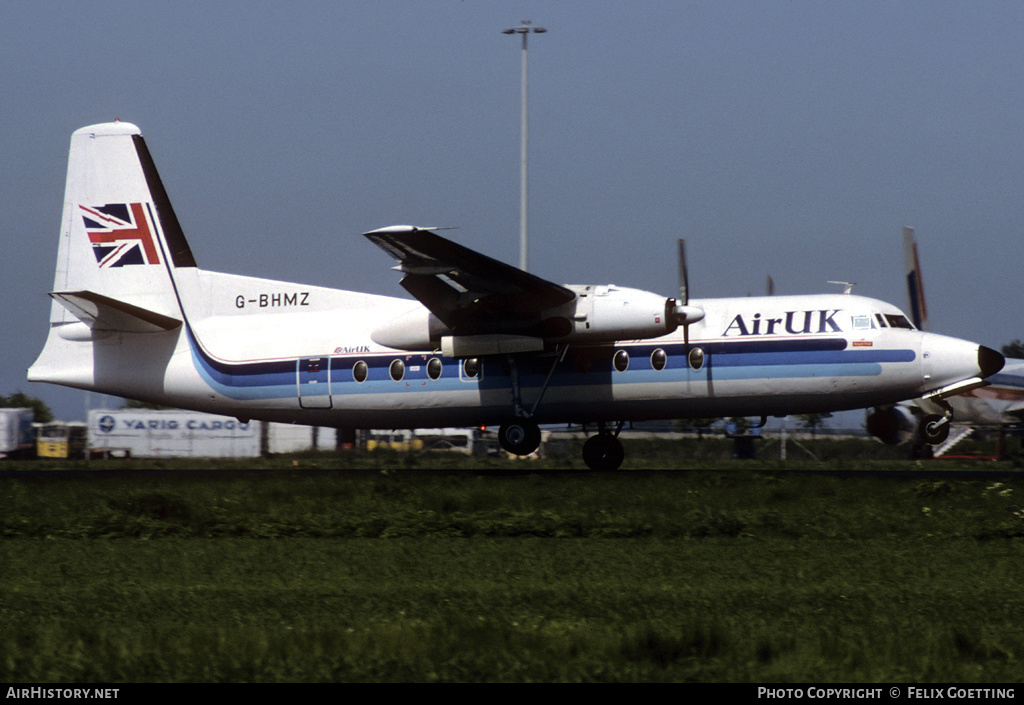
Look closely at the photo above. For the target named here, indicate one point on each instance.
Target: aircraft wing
(466, 290)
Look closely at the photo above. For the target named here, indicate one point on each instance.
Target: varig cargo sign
(147, 434)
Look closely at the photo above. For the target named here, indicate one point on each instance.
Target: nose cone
(951, 360)
(989, 361)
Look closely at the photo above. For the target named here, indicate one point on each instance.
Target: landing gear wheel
(603, 452)
(934, 429)
(519, 437)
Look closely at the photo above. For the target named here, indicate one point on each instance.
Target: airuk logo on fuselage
(791, 323)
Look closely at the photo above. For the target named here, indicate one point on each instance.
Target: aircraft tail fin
(120, 244)
(915, 285)
(119, 235)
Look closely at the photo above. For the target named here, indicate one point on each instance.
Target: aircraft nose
(952, 360)
(989, 361)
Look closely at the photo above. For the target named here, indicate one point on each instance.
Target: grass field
(727, 573)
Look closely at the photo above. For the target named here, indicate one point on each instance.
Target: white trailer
(17, 437)
(293, 438)
(145, 433)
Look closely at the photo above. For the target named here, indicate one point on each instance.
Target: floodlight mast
(523, 29)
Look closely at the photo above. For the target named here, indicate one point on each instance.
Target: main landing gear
(602, 451)
(522, 436)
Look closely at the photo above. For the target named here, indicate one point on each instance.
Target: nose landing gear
(934, 428)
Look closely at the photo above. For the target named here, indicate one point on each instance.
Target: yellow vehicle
(459, 440)
(61, 440)
(393, 440)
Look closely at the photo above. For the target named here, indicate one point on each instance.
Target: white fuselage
(263, 349)
(134, 316)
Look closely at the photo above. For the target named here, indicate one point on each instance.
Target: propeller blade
(684, 287)
(684, 313)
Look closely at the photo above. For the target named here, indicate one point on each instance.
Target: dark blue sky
(793, 139)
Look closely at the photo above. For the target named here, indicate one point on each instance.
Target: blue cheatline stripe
(729, 360)
(780, 371)
(244, 380)
(844, 357)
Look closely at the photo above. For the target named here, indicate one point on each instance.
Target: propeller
(684, 276)
(683, 313)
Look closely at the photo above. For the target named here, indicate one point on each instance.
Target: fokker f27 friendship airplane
(486, 343)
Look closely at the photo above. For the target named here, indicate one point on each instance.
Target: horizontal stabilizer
(102, 313)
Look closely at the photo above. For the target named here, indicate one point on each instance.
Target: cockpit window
(881, 321)
(862, 322)
(896, 321)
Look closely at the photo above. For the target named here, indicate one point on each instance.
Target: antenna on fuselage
(847, 286)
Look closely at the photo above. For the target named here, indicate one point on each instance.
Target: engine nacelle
(604, 314)
(418, 329)
(893, 425)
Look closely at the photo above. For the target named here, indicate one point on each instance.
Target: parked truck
(62, 440)
(145, 433)
(17, 438)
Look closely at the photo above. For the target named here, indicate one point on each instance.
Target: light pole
(524, 28)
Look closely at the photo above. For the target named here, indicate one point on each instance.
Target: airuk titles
(276, 300)
(793, 322)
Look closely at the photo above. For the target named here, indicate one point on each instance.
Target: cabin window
(621, 360)
(397, 370)
(695, 358)
(658, 359)
(471, 367)
(434, 368)
(359, 371)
